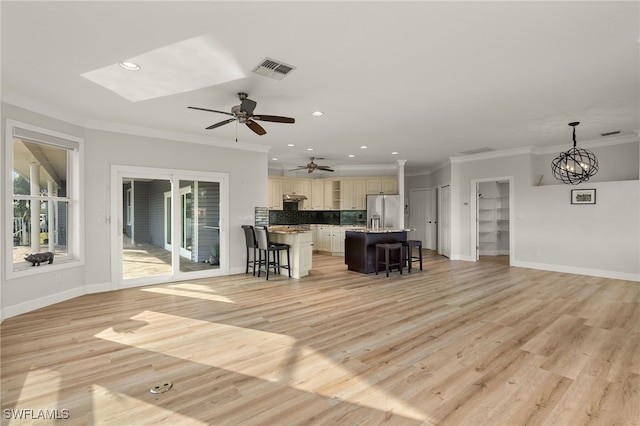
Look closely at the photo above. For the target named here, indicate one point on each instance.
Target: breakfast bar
(300, 242)
(360, 247)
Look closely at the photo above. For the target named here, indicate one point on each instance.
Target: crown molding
(32, 105)
(38, 107)
(172, 136)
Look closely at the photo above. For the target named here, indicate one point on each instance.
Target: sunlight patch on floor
(204, 293)
(118, 409)
(257, 354)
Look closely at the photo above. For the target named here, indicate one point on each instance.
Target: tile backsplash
(290, 215)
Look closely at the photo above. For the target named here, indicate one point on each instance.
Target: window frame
(74, 198)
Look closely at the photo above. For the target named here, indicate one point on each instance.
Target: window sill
(27, 270)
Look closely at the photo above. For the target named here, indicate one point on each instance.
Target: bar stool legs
(409, 245)
(388, 262)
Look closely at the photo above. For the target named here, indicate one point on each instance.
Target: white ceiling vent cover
(271, 68)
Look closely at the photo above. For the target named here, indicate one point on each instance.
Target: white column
(51, 215)
(401, 164)
(34, 178)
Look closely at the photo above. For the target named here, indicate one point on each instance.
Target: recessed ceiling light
(291, 144)
(394, 153)
(363, 147)
(275, 158)
(317, 113)
(351, 155)
(130, 66)
(309, 149)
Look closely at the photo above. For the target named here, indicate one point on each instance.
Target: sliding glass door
(155, 211)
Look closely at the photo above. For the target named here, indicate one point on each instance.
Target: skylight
(180, 67)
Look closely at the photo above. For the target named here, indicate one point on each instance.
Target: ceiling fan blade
(255, 127)
(274, 118)
(325, 168)
(298, 168)
(211, 110)
(222, 123)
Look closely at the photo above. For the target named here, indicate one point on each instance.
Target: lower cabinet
(329, 238)
(300, 252)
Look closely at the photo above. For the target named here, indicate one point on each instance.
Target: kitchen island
(360, 247)
(300, 242)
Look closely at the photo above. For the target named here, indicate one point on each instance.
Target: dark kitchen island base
(360, 248)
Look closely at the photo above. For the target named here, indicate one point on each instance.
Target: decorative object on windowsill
(583, 196)
(37, 258)
(576, 165)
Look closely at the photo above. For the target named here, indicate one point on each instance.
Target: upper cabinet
(275, 194)
(353, 194)
(346, 193)
(317, 194)
(382, 185)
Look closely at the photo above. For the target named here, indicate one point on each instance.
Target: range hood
(293, 198)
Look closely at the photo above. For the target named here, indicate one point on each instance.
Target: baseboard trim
(32, 305)
(576, 270)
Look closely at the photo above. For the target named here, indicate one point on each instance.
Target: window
(43, 206)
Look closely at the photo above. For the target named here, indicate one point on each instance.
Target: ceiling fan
(243, 113)
(311, 166)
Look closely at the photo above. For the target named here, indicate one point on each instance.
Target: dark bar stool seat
(250, 239)
(389, 262)
(409, 245)
(266, 247)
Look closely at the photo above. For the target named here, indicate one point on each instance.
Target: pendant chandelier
(576, 165)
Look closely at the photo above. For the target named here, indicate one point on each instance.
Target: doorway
(492, 222)
(180, 223)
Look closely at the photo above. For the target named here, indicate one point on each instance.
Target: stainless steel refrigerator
(385, 207)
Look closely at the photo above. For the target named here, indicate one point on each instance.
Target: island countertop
(377, 231)
(285, 230)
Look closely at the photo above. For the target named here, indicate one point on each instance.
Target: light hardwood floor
(459, 343)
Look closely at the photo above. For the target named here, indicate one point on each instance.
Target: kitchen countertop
(285, 230)
(378, 231)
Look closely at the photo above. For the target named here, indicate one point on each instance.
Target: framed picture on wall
(583, 196)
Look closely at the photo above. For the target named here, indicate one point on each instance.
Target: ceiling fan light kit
(575, 165)
(243, 114)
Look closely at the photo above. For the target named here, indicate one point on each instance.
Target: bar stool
(266, 247)
(409, 245)
(250, 239)
(388, 264)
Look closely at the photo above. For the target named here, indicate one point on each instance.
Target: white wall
(550, 233)
(32, 292)
(247, 183)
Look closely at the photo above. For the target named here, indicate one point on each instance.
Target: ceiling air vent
(273, 69)
(477, 151)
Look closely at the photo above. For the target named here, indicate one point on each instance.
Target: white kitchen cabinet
(382, 185)
(337, 239)
(300, 251)
(332, 195)
(305, 188)
(353, 194)
(317, 194)
(275, 194)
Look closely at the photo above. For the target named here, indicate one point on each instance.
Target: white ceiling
(427, 79)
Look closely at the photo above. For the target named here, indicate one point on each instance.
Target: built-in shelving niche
(493, 218)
